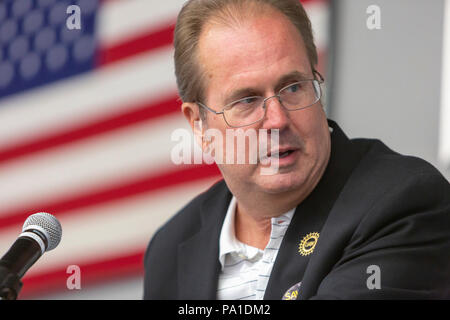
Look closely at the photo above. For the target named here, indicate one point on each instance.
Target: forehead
(262, 48)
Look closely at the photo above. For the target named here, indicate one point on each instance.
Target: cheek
(214, 120)
(241, 174)
(241, 152)
(312, 127)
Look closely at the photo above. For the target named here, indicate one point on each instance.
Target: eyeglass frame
(320, 81)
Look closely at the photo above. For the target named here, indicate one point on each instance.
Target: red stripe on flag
(59, 207)
(137, 44)
(138, 114)
(91, 273)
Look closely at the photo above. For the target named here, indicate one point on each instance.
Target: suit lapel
(199, 266)
(310, 216)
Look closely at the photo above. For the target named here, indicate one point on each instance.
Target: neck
(262, 205)
(250, 229)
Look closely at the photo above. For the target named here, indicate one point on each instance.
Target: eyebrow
(249, 91)
(294, 75)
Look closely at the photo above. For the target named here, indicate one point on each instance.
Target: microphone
(41, 232)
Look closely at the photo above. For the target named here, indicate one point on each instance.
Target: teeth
(281, 155)
(284, 154)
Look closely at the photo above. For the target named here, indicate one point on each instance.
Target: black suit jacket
(372, 206)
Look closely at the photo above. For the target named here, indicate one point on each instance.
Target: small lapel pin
(308, 243)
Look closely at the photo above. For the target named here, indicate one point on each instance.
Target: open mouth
(281, 154)
(285, 154)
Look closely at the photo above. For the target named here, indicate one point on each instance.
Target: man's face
(258, 56)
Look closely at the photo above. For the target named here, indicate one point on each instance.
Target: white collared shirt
(245, 269)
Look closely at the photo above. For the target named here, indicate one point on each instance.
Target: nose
(277, 117)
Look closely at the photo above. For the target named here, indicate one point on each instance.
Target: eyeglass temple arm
(208, 108)
(321, 79)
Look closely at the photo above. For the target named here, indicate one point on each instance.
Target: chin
(281, 182)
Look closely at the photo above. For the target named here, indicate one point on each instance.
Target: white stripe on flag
(118, 20)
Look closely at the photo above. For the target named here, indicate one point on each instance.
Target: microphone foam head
(48, 225)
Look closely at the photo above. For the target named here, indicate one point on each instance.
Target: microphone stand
(10, 284)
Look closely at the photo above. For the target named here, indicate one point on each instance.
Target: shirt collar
(228, 242)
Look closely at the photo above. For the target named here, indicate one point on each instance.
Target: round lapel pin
(308, 243)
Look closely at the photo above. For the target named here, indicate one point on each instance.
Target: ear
(192, 114)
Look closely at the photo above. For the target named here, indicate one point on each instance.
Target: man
(340, 218)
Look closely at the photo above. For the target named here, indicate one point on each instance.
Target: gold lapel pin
(308, 243)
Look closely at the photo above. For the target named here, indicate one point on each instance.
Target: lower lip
(288, 160)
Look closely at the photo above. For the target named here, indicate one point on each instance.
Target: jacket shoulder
(387, 185)
(380, 164)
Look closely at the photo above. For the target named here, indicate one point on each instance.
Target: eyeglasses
(250, 110)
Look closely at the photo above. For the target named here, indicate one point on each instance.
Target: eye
(294, 88)
(248, 100)
(247, 103)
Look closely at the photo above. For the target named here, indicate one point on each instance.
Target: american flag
(86, 117)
